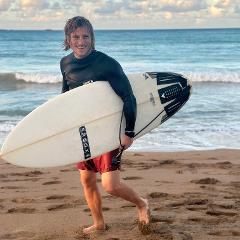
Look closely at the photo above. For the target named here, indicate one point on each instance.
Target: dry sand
(192, 195)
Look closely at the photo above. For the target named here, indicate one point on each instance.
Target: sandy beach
(192, 195)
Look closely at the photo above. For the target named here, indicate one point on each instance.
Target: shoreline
(192, 195)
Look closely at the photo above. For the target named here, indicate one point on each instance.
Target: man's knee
(88, 180)
(111, 187)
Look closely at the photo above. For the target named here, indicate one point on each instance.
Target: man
(86, 64)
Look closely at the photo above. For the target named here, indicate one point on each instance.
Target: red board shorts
(104, 163)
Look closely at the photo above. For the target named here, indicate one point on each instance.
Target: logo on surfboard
(85, 143)
(152, 100)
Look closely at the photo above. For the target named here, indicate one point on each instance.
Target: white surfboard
(85, 122)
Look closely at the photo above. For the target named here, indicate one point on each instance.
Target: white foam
(221, 76)
(39, 77)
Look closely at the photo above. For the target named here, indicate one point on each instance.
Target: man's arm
(65, 86)
(120, 84)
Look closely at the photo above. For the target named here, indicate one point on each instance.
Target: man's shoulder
(66, 59)
(106, 58)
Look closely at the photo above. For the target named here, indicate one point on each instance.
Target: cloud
(215, 11)
(72, 3)
(223, 3)
(115, 7)
(5, 5)
(142, 6)
(118, 13)
(37, 4)
(168, 15)
(224, 8)
(181, 5)
(109, 7)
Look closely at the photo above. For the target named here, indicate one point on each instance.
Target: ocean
(30, 75)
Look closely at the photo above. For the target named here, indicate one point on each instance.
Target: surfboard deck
(74, 127)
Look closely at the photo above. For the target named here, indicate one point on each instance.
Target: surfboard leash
(149, 123)
(117, 158)
(120, 127)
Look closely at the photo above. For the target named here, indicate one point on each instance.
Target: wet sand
(192, 195)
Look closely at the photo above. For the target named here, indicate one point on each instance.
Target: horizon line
(126, 29)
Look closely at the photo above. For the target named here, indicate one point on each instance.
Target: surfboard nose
(174, 92)
(178, 102)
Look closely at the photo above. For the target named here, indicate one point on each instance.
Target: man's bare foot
(144, 218)
(94, 229)
(144, 212)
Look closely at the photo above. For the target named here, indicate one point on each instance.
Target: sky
(121, 14)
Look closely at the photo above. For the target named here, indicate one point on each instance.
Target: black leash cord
(120, 127)
(149, 123)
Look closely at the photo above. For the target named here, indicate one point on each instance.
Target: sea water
(30, 75)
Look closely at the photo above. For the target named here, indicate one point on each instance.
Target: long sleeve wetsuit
(97, 66)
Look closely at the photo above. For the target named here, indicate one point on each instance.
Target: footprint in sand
(165, 218)
(161, 229)
(22, 180)
(233, 196)
(224, 165)
(235, 184)
(205, 220)
(167, 162)
(132, 178)
(86, 210)
(67, 198)
(69, 170)
(12, 187)
(128, 206)
(225, 233)
(23, 200)
(61, 206)
(212, 158)
(206, 181)
(184, 236)
(214, 212)
(137, 155)
(221, 210)
(51, 182)
(27, 174)
(176, 204)
(70, 202)
(144, 167)
(21, 210)
(158, 195)
(223, 205)
(200, 201)
(193, 204)
(196, 208)
(58, 197)
(17, 235)
(103, 209)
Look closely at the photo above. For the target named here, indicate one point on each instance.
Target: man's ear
(68, 40)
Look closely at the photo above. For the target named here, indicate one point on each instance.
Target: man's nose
(80, 40)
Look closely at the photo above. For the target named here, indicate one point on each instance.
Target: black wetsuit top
(97, 66)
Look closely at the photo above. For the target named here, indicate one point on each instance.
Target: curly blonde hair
(72, 24)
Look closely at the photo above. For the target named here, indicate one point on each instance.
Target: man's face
(80, 42)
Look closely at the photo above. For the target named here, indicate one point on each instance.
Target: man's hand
(126, 142)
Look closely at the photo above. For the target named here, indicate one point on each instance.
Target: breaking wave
(40, 78)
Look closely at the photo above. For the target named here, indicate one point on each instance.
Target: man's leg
(112, 184)
(93, 198)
